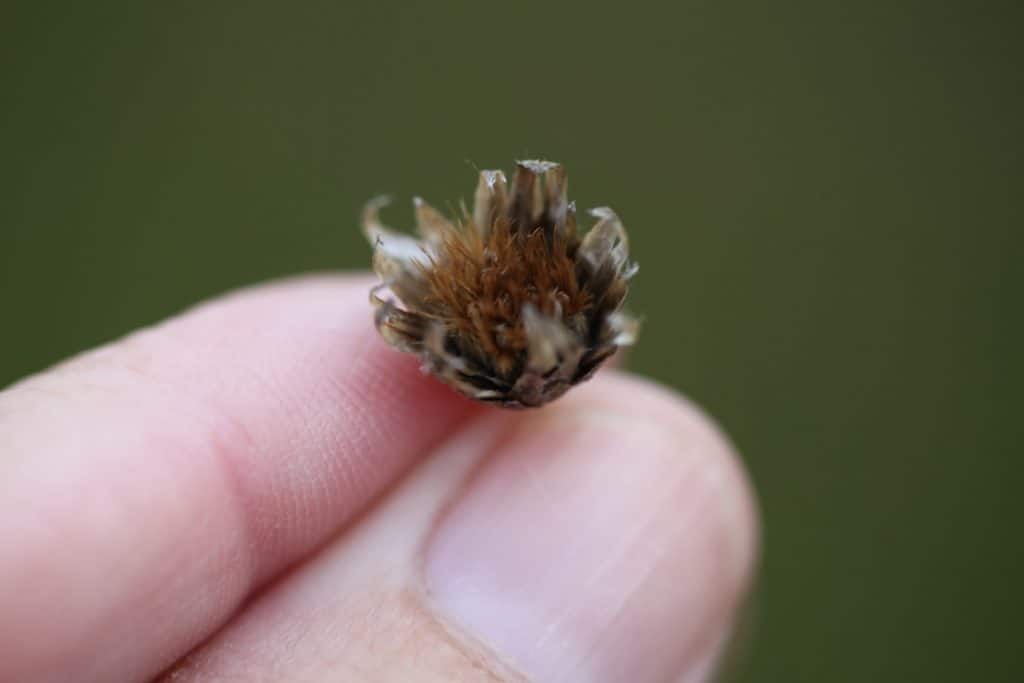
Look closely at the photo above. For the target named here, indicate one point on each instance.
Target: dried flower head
(508, 305)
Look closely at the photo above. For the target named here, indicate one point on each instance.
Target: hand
(260, 490)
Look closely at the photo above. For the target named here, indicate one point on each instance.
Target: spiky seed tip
(508, 304)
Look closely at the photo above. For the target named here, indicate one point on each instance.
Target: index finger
(149, 486)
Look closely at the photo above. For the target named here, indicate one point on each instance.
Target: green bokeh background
(824, 197)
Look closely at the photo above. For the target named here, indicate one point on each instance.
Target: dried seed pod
(509, 305)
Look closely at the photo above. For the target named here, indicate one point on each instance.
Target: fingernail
(594, 546)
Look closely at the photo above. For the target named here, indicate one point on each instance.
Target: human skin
(260, 490)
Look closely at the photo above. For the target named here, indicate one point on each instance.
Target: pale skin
(260, 489)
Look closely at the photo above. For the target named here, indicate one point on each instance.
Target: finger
(607, 538)
(149, 486)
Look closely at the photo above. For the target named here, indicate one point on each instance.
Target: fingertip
(217, 448)
(607, 537)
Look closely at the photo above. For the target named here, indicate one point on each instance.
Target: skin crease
(259, 489)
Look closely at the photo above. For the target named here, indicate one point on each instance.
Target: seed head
(508, 304)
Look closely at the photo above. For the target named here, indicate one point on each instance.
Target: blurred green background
(824, 197)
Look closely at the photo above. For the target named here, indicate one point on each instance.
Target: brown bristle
(483, 283)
